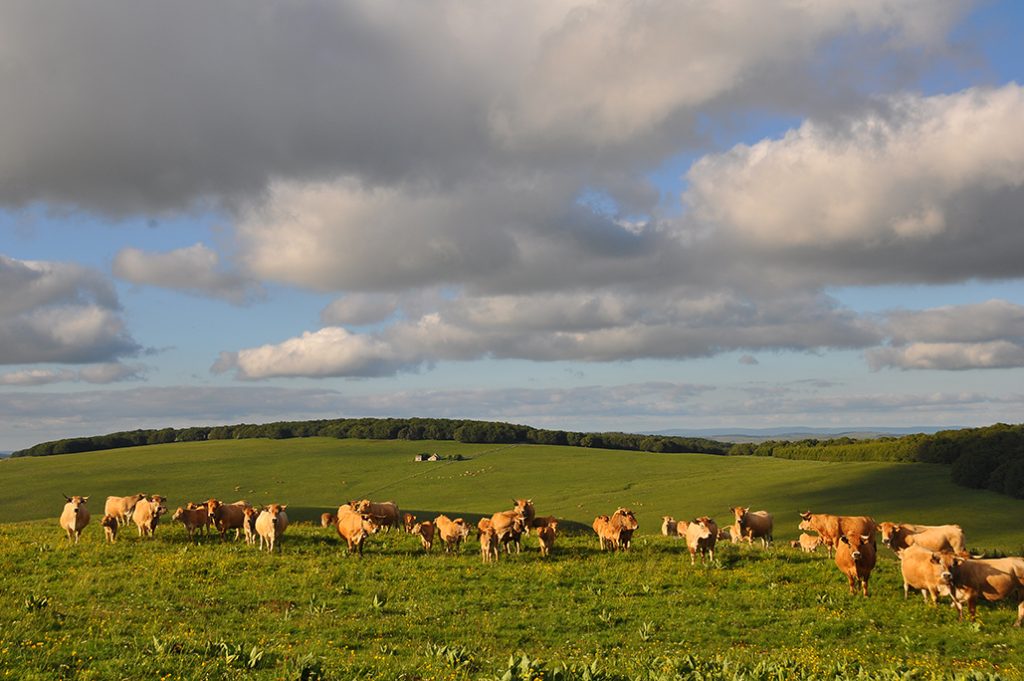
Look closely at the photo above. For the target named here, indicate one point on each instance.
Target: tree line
(485, 432)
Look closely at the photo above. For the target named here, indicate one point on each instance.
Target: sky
(583, 215)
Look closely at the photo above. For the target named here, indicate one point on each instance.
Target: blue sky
(578, 215)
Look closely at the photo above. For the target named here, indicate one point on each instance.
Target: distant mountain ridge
(799, 433)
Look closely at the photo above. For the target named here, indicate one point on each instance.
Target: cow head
(627, 519)
(77, 502)
(178, 513)
(703, 531)
(361, 506)
(409, 520)
(109, 521)
(888, 531)
(855, 542)
(740, 513)
(368, 524)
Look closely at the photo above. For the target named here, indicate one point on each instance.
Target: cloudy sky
(590, 215)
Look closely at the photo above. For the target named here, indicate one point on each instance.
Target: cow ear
(843, 539)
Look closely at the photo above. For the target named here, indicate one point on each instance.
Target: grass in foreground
(168, 609)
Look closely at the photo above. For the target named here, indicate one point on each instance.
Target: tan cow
(122, 507)
(514, 535)
(735, 535)
(925, 570)
(615, 532)
(546, 537)
(668, 526)
(754, 525)
(75, 516)
(898, 536)
(489, 545)
(328, 520)
(354, 528)
(193, 517)
(409, 521)
(990, 578)
(525, 508)
(831, 527)
(271, 524)
(147, 515)
(452, 532)
(227, 516)
(425, 531)
(385, 513)
(602, 530)
(110, 523)
(855, 558)
(701, 535)
(504, 521)
(808, 543)
(249, 524)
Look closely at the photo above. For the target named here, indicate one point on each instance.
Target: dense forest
(985, 458)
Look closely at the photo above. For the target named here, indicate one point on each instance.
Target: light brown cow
(525, 508)
(990, 578)
(514, 535)
(808, 543)
(855, 558)
(354, 528)
(193, 517)
(701, 535)
(489, 545)
(735, 535)
(925, 570)
(831, 527)
(546, 537)
(754, 525)
(504, 521)
(227, 516)
(271, 524)
(328, 519)
(425, 531)
(615, 532)
(668, 526)
(452, 532)
(110, 523)
(75, 516)
(249, 524)
(409, 520)
(147, 515)
(898, 536)
(122, 507)
(543, 521)
(385, 513)
(602, 530)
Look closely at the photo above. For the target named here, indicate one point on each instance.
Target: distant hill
(798, 433)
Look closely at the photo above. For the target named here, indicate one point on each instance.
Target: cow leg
(1020, 614)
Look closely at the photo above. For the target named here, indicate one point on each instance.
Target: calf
(75, 516)
(756, 525)
(271, 524)
(192, 517)
(249, 524)
(409, 521)
(668, 526)
(425, 531)
(147, 515)
(453, 532)
(328, 520)
(855, 558)
(546, 538)
(990, 578)
(701, 535)
(514, 535)
(354, 528)
(489, 545)
(808, 543)
(110, 523)
(925, 570)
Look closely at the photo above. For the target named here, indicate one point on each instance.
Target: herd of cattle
(933, 558)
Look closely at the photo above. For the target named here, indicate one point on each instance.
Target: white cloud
(57, 312)
(949, 356)
(109, 372)
(195, 270)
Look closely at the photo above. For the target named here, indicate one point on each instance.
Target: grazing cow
(756, 525)
(615, 532)
(122, 507)
(898, 536)
(808, 543)
(990, 578)
(409, 520)
(701, 535)
(925, 570)
(249, 524)
(489, 545)
(546, 537)
(110, 523)
(227, 516)
(147, 515)
(354, 528)
(328, 520)
(855, 558)
(831, 527)
(271, 524)
(453, 532)
(385, 513)
(75, 516)
(193, 517)
(668, 526)
(425, 531)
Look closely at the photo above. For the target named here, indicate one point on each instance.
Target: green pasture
(316, 474)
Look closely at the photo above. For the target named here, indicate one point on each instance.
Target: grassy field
(168, 609)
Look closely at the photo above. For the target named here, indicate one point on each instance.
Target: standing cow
(271, 524)
(122, 507)
(147, 515)
(75, 516)
(354, 528)
(855, 558)
(754, 525)
(898, 536)
(831, 527)
(990, 578)
(701, 535)
(384, 513)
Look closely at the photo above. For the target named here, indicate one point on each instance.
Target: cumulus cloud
(58, 312)
(195, 270)
(108, 372)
